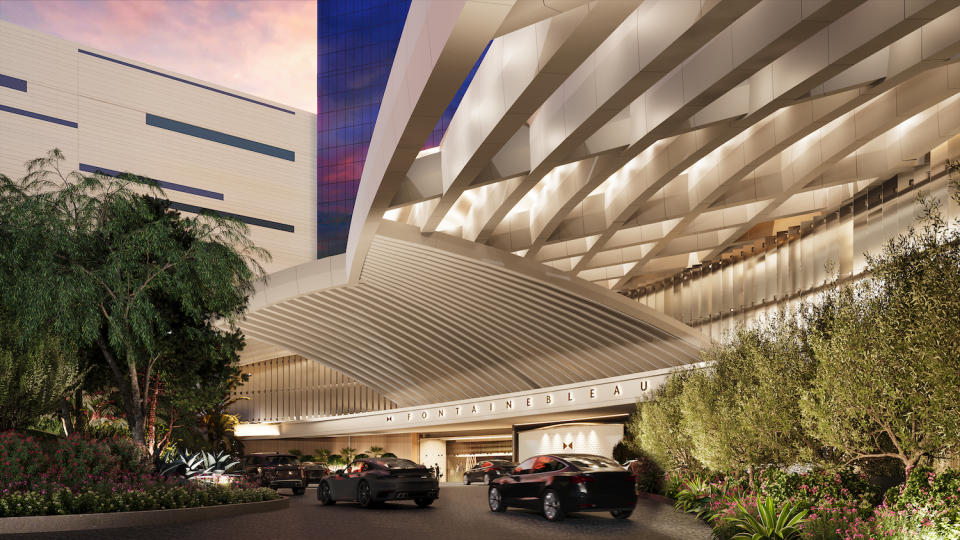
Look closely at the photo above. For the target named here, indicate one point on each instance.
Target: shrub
(817, 487)
(21, 460)
(924, 488)
(159, 496)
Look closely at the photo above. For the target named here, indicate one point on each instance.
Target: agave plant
(695, 498)
(785, 525)
(200, 463)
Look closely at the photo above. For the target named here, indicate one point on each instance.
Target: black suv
(275, 471)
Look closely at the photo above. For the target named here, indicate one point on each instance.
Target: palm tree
(322, 455)
(348, 454)
(375, 451)
(218, 426)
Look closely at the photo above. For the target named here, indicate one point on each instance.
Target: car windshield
(282, 460)
(592, 462)
(397, 463)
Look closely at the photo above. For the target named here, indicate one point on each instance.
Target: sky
(265, 48)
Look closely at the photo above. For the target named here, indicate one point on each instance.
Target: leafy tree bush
(35, 375)
(744, 409)
(657, 429)
(888, 351)
(105, 263)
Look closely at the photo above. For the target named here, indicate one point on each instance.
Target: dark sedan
(314, 472)
(275, 471)
(487, 470)
(369, 481)
(559, 484)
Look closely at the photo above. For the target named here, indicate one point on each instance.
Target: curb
(143, 518)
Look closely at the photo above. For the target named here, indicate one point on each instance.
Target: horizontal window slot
(219, 137)
(13, 82)
(162, 183)
(38, 116)
(193, 209)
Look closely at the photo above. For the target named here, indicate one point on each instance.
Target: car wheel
(495, 499)
(299, 491)
(621, 514)
(364, 495)
(466, 480)
(424, 502)
(551, 506)
(486, 479)
(324, 495)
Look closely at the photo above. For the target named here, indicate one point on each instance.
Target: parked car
(275, 471)
(487, 470)
(559, 484)
(369, 481)
(313, 473)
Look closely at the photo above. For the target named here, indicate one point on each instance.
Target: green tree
(347, 454)
(375, 451)
(106, 262)
(656, 425)
(744, 409)
(888, 351)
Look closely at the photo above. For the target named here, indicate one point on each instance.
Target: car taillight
(632, 478)
(580, 479)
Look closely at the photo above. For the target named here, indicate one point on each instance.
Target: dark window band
(193, 209)
(185, 81)
(219, 137)
(13, 82)
(38, 116)
(165, 185)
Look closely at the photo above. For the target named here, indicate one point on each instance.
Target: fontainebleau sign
(536, 401)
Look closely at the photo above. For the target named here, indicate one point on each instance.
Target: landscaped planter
(146, 518)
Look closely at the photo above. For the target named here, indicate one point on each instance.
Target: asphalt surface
(461, 513)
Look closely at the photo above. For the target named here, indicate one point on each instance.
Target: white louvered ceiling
(426, 326)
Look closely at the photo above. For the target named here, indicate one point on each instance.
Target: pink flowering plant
(927, 506)
(78, 475)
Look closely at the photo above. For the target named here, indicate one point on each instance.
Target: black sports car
(566, 483)
(487, 470)
(372, 480)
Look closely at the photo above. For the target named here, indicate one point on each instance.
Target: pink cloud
(266, 48)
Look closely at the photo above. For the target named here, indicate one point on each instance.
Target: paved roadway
(461, 513)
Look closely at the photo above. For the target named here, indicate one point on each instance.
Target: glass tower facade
(356, 43)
